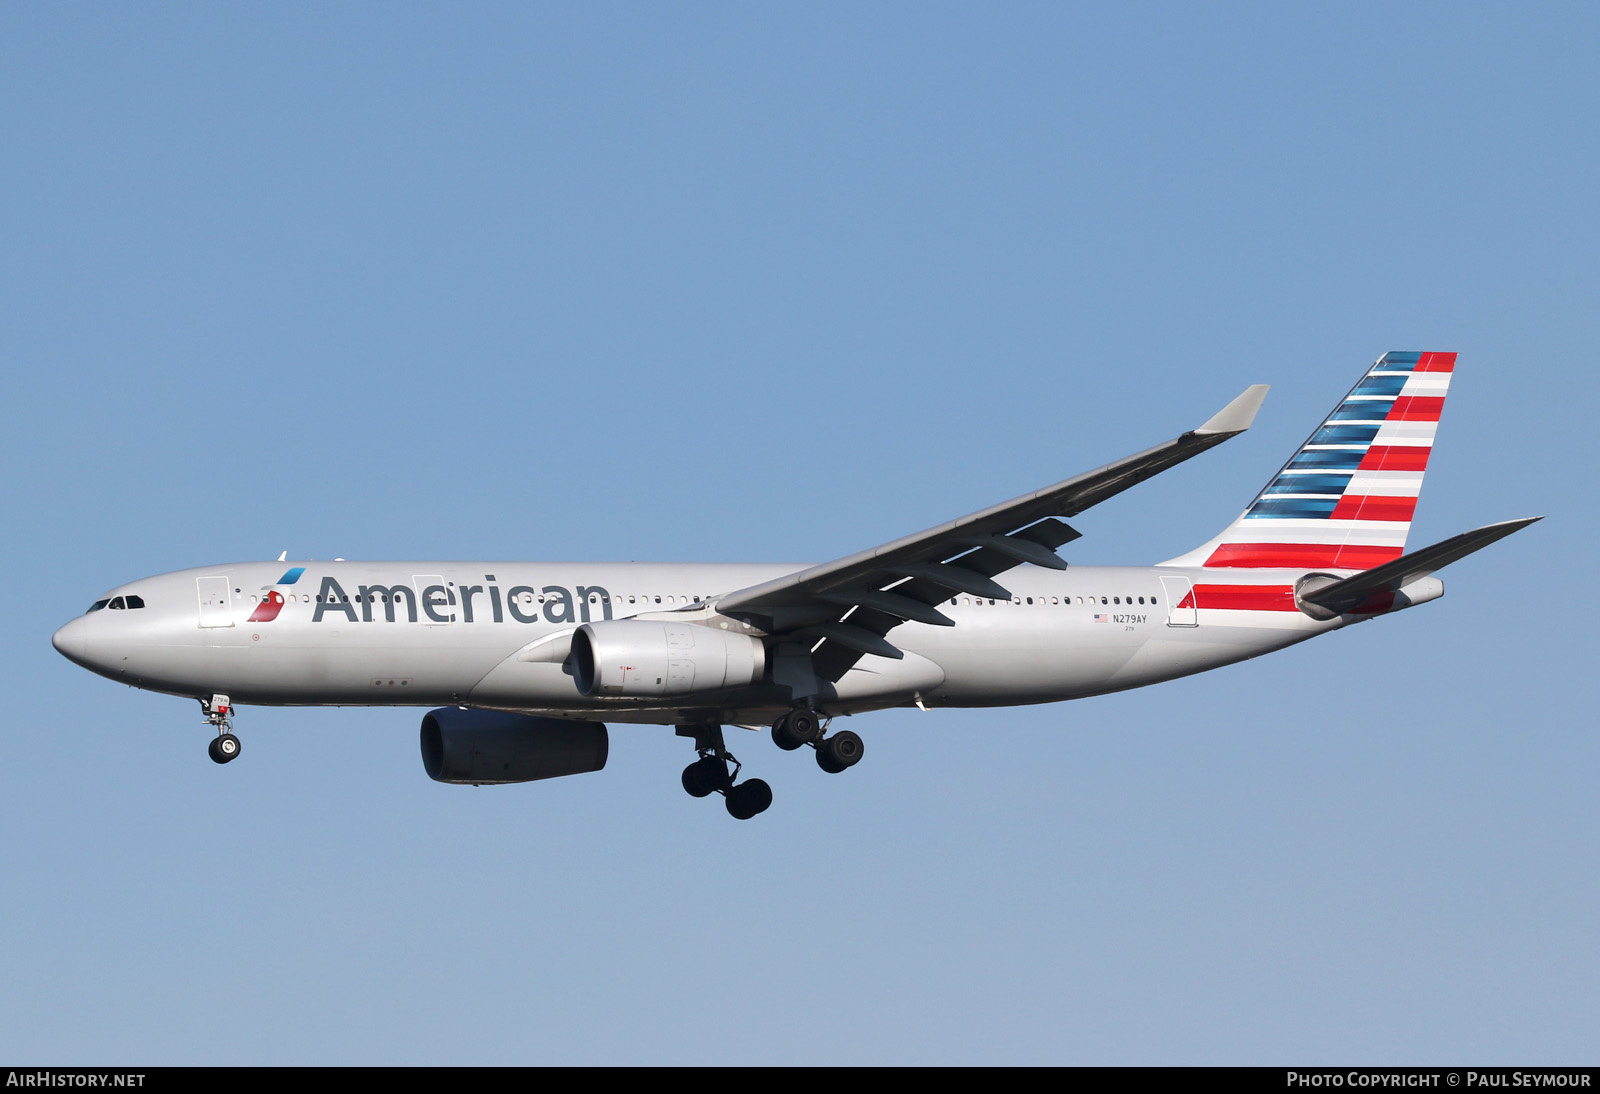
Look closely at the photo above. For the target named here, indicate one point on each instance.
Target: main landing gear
(801, 727)
(710, 774)
(225, 746)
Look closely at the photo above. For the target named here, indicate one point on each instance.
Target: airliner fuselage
(390, 634)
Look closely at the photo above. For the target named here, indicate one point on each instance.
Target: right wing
(852, 602)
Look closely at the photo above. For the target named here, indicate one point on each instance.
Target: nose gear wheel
(224, 747)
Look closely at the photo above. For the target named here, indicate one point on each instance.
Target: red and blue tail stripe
(1345, 500)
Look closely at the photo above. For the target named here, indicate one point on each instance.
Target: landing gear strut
(225, 746)
(710, 774)
(801, 727)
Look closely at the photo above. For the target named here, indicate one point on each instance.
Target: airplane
(525, 663)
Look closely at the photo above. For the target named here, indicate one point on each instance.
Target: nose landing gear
(225, 746)
(710, 774)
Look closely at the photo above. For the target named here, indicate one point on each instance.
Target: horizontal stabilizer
(1346, 595)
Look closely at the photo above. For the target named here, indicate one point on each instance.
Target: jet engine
(640, 658)
(484, 747)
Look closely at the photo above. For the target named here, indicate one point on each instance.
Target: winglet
(1237, 415)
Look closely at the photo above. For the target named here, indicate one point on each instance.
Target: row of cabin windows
(118, 603)
(1067, 600)
(647, 599)
(526, 598)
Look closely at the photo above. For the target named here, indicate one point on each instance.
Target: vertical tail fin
(1344, 500)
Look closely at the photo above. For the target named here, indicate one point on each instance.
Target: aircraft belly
(880, 681)
(1039, 659)
(1033, 666)
(1176, 654)
(519, 684)
(380, 665)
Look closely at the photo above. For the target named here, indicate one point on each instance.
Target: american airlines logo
(448, 603)
(272, 603)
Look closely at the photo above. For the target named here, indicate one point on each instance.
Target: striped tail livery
(1344, 500)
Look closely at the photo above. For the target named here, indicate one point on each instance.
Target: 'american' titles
(466, 603)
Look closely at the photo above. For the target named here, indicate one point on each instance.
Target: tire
(840, 752)
(803, 726)
(223, 749)
(782, 737)
(710, 775)
(691, 781)
(749, 799)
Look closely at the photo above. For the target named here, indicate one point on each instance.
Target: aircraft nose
(72, 640)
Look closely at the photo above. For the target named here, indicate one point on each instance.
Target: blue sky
(715, 282)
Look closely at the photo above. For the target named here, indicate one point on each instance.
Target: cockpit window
(118, 603)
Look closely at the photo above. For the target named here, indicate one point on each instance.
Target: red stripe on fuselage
(1256, 598)
(1411, 457)
(1302, 555)
(1435, 362)
(1373, 507)
(1416, 408)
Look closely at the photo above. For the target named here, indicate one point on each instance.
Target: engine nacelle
(644, 658)
(483, 747)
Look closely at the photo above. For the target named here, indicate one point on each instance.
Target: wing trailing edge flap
(874, 591)
(1348, 594)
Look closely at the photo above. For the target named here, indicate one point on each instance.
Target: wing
(851, 603)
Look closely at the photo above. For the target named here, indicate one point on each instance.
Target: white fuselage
(470, 633)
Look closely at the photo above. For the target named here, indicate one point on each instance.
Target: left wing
(851, 603)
